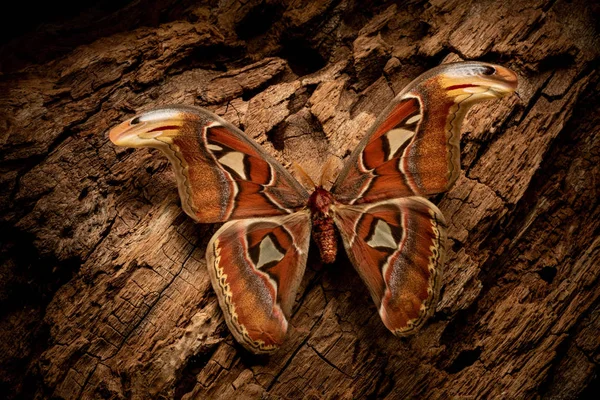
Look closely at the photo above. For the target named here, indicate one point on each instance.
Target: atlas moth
(393, 236)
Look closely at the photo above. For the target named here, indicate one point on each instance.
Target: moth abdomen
(323, 232)
(323, 229)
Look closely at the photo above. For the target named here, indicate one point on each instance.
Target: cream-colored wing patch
(413, 119)
(214, 147)
(396, 138)
(235, 161)
(268, 253)
(382, 236)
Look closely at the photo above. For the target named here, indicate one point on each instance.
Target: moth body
(323, 227)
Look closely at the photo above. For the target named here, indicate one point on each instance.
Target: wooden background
(103, 284)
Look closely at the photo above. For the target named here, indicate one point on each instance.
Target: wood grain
(103, 288)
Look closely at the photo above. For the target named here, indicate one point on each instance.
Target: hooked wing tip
(117, 135)
(507, 79)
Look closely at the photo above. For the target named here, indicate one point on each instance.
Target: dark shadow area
(301, 57)
(547, 274)
(465, 359)
(259, 20)
(195, 364)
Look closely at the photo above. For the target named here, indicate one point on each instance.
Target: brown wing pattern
(221, 174)
(256, 266)
(414, 146)
(397, 247)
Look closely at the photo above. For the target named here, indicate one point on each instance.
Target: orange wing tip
(117, 133)
(140, 130)
(510, 79)
(477, 79)
(127, 135)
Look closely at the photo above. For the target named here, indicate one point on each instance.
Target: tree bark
(104, 288)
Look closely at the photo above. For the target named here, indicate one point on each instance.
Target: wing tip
(402, 325)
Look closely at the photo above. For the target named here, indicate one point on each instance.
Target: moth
(392, 234)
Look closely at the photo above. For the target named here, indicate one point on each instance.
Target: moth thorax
(323, 230)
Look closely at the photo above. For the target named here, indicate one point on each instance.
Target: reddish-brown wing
(221, 174)
(414, 146)
(255, 266)
(397, 247)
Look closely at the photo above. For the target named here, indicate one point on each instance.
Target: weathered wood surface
(103, 284)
